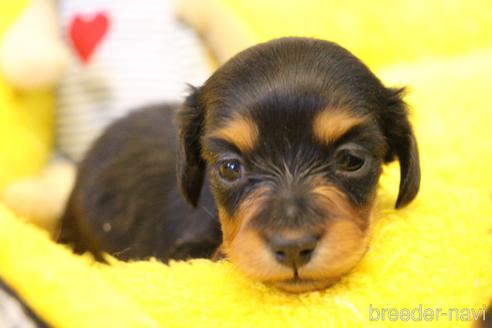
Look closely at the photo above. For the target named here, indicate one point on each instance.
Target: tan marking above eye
(240, 131)
(331, 124)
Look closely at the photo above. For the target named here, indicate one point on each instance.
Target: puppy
(285, 143)
(125, 201)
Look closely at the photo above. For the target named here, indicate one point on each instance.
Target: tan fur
(245, 247)
(344, 240)
(345, 237)
(331, 124)
(240, 131)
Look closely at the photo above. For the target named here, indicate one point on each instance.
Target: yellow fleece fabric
(381, 33)
(435, 253)
(26, 118)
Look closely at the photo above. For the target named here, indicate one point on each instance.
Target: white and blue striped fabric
(145, 56)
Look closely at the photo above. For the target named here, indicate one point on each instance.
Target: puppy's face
(293, 134)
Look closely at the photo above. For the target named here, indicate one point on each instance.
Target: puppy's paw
(41, 200)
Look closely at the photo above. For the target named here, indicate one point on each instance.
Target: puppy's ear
(403, 145)
(190, 165)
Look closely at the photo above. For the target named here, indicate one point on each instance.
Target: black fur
(191, 167)
(487, 323)
(127, 182)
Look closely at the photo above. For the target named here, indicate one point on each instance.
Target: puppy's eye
(230, 170)
(349, 162)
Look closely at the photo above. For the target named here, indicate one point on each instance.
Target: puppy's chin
(337, 255)
(302, 285)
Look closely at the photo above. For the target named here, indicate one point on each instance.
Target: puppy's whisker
(267, 167)
(318, 169)
(207, 211)
(121, 252)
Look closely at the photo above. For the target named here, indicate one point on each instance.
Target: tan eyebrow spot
(331, 124)
(240, 131)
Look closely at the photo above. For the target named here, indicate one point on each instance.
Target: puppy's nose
(293, 253)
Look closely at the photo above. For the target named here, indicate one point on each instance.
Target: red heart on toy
(87, 32)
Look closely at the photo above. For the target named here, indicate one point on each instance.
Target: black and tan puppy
(288, 136)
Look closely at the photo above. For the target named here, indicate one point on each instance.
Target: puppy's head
(292, 134)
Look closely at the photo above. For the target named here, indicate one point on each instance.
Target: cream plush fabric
(26, 117)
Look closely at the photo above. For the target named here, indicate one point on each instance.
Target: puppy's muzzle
(293, 253)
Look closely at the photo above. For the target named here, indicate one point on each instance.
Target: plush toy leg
(42, 199)
(33, 53)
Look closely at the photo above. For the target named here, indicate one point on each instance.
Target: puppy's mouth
(300, 285)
